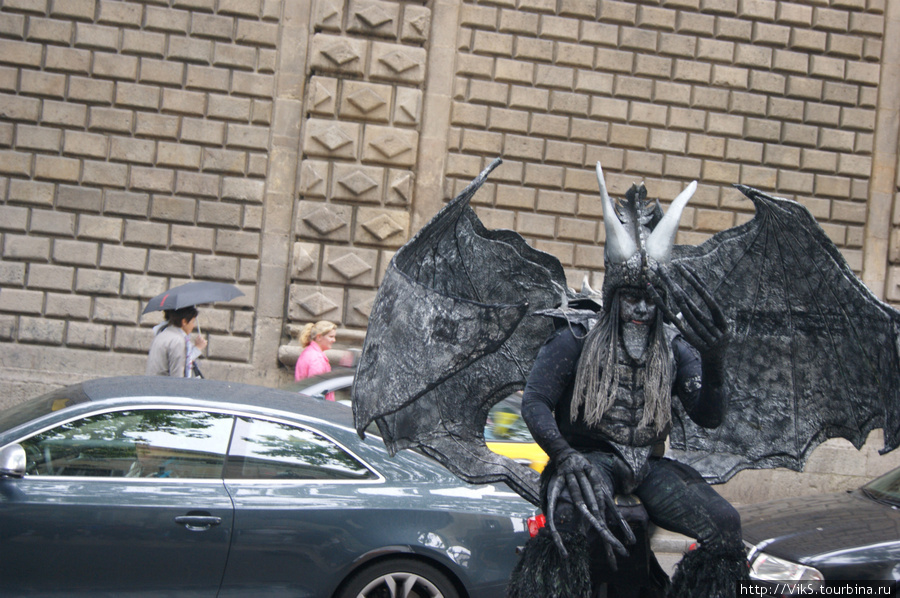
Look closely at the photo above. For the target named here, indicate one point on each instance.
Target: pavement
(669, 547)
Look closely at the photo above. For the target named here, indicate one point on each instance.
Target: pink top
(312, 362)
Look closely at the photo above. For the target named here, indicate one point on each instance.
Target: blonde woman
(315, 340)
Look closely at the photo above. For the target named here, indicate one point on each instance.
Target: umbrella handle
(199, 331)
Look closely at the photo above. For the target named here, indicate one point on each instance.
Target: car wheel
(399, 578)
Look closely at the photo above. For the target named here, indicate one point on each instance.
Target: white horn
(586, 287)
(619, 244)
(660, 242)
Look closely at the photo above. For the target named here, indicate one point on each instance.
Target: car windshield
(886, 488)
(34, 408)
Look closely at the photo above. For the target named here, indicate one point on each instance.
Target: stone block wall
(360, 152)
(291, 146)
(776, 95)
(135, 141)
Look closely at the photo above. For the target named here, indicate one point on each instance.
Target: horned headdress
(638, 236)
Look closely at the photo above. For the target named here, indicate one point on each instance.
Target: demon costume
(610, 390)
(786, 336)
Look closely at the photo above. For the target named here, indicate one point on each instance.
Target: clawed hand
(707, 333)
(576, 474)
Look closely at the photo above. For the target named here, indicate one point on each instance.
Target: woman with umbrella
(173, 352)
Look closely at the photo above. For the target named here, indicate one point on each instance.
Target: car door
(298, 499)
(127, 502)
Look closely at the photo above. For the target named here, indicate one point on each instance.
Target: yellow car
(506, 434)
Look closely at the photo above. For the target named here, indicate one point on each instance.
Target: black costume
(675, 496)
(599, 403)
(549, 391)
(809, 354)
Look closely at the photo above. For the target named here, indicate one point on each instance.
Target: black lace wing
(815, 353)
(453, 331)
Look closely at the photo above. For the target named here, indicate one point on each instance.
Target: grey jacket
(168, 353)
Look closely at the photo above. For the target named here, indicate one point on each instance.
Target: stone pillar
(882, 247)
(284, 138)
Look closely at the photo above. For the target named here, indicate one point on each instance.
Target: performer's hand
(708, 333)
(588, 491)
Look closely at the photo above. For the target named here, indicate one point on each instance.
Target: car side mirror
(12, 461)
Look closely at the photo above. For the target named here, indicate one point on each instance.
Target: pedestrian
(173, 352)
(315, 340)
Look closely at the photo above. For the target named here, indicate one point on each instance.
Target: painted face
(327, 340)
(636, 307)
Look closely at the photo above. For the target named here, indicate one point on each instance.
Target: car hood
(830, 532)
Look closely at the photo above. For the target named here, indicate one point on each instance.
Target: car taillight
(535, 524)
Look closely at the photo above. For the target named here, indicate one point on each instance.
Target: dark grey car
(159, 486)
(827, 539)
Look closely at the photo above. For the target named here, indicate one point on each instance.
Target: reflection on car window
(157, 443)
(268, 450)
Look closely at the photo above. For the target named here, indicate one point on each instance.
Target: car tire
(403, 578)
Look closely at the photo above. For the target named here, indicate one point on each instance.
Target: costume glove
(592, 496)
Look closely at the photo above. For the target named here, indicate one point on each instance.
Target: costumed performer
(599, 403)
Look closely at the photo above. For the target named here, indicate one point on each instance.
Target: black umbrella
(192, 293)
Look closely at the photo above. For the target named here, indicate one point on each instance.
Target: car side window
(141, 443)
(267, 450)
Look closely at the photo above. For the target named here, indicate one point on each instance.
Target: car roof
(219, 391)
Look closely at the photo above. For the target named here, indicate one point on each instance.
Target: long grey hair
(597, 377)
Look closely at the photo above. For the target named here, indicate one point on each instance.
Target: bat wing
(453, 331)
(814, 354)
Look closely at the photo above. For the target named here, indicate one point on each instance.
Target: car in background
(166, 486)
(505, 431)
(826, 539)
(507, 434)
(338, 381)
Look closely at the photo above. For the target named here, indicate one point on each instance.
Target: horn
(586, 287)
(619, 244)
(660, 242)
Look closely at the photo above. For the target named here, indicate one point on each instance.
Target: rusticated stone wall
(360, 153)
(291, 146)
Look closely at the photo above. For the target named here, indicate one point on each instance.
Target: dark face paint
(636, 307)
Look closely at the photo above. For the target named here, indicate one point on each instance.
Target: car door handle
(198, 523)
